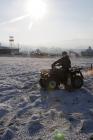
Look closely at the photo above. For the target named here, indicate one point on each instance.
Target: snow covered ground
(29, 113)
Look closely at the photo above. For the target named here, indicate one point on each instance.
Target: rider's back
(65, 62)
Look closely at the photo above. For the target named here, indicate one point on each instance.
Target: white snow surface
(29, 113)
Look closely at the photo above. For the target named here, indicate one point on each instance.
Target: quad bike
(52, 78)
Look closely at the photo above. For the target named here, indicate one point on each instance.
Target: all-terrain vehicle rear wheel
(77, 82)
(52, 84)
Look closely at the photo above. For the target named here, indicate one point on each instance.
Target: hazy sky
(65, 22)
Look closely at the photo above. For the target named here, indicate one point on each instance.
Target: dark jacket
(64, 62)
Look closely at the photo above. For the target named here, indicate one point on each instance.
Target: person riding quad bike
(65, 63)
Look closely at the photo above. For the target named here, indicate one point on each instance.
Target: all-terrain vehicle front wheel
(77, 82)
(52, 84)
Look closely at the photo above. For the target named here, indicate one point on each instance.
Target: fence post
(91, 66)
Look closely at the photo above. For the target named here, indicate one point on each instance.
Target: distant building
(4, 50)
(88, 52)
